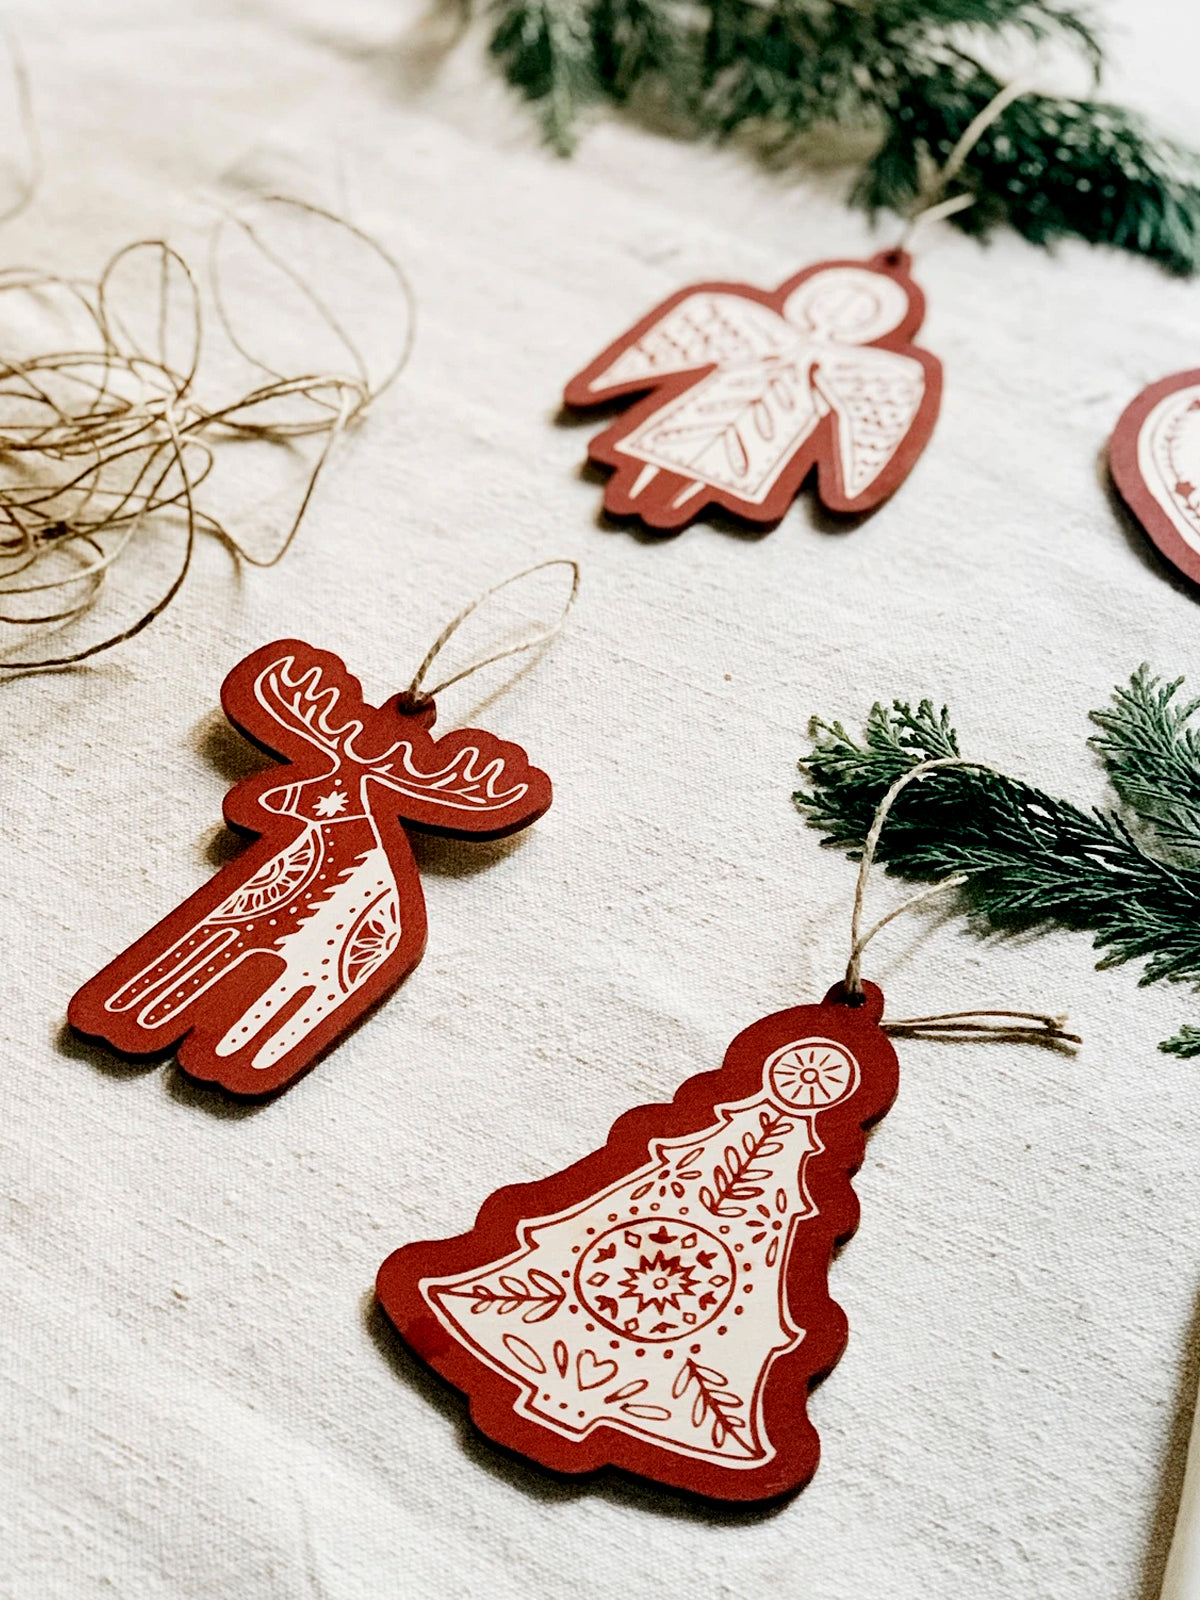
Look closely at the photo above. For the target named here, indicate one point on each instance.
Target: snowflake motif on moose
(749, 390)
(273, 959)
(658, 1305)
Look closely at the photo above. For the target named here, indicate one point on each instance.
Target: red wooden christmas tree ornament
(1154, 456)
(663, 1305)
(260, 972)
(746, 390)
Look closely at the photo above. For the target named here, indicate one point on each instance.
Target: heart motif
(1154, 456)
(593, 1373)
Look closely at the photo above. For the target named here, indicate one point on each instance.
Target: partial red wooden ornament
(663, 1305)
(747, 390)
(263, 969)
(1154, 457)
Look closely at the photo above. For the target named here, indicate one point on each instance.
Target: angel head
(847, 305)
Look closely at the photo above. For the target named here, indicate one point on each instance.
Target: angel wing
(736, 429)
(875, 395)
(709, 327)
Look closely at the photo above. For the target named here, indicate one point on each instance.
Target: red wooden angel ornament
(260, 971)
(663, 1304)
(746, 390)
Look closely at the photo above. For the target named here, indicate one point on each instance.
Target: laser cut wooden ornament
(746, 390)
(663, 1305)
(1154, 456)
(261, 971)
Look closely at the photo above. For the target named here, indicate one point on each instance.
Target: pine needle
(1031, 859)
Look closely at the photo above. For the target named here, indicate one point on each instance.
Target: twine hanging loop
(931, 204)
(1014, 1026)
(859, 940)
(417, 696)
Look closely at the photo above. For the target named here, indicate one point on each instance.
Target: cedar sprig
(1029, 858)
(1151, 748)
(905, 76)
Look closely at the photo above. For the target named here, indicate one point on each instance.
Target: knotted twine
(1015, 1026)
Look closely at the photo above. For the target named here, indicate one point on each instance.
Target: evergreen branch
(1152, 753)
(1049, 168)
(902, 73)
(1037, 19)
(546, 47)
(1030, 858)
(1185, 1043)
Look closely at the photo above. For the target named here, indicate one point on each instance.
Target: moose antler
(303, 701)
(470, 779)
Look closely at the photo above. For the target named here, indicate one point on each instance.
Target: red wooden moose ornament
(260, 972)
(663, 1305)
(746, 390)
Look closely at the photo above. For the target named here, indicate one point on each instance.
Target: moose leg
(180, 976)
(147, 999)
(354, 947)
(201, 975)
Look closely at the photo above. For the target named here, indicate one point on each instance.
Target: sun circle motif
(813, 1074)
(276, 882)
(658, 1278)
(371, 940)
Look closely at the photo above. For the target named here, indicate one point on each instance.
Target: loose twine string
(1030, 1026)
(417, 695)
(97, 438)
(929, 205)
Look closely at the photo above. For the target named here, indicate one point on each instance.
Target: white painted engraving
(328, 903)
(1168, 450)
(658, 1305)
(775, 376)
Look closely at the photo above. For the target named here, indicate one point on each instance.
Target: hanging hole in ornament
(867, 999)
(409, 704)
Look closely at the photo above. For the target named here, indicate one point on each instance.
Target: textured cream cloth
(198, 1396)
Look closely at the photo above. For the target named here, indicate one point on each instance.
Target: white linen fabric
(199, 1396)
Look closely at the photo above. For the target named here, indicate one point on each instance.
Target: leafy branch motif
(537, 1299)
(763, 1220)
(1131, 877)
(714, 1399)
(726, 417)
(737, 1178)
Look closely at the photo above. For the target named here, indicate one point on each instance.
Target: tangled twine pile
(110, 435)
